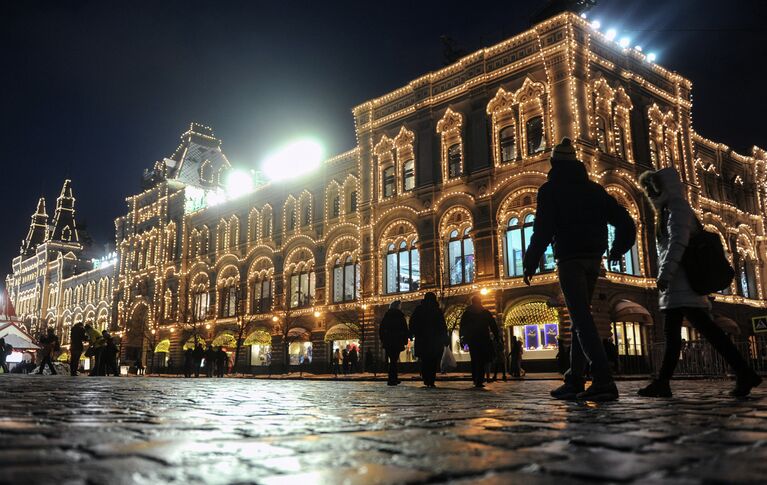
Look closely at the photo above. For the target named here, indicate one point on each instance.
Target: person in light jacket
(675, 224)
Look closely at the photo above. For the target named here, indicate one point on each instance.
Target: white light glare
(638, 48)
(238, 183)
(596, 24)
(651, 57)
(294, 159)
(583, 15)
(611, 33)
(624, 42)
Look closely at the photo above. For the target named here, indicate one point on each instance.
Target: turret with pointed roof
(64, 227)
(38, 230)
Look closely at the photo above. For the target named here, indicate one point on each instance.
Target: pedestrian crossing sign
(760, 324)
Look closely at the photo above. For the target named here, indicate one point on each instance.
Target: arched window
(408, 175)
(629, 263)
(206, 172)
(454, 160)
(168, 304)
(517, 241)
(261, 295)
(602, 134)
(301, 288)
(402, 268)
(536, 142)
(200, 304)
(388, 182)
(228, 304)
(336, 209)
(353, 202)
(345, 280)
(508, 144)
(307, 216)
(292, 220)
(460, 257)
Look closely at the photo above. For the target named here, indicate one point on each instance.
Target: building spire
(38, 230)
(64, 227)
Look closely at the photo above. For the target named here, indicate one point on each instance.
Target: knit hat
(564, 152)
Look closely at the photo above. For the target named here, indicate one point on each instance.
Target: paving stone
(221, 431)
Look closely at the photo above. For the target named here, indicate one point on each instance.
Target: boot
(656, 388)
(745, 383)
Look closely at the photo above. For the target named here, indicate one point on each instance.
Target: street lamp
(484, 291)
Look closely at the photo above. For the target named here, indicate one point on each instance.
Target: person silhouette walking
(572, 214)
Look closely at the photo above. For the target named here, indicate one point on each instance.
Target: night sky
(97, 91)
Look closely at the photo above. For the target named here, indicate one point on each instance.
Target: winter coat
(677, 225)
(77, 337)
(95, 338)
(428, 327)
(475, 328)
(572, 214)
(393, 331)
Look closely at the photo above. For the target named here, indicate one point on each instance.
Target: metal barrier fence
(697, 358)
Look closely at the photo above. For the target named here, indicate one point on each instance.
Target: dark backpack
(707, 268)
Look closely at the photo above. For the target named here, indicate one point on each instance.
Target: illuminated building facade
(55, 282)
(439, 195)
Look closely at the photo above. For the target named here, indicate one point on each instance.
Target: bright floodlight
(638, 48)
(584, 15)
(611, 33)
(651, 57)
(596, 24)
(624, 42)
(294, 159)
(238, 182)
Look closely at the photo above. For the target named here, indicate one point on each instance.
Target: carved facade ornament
(450, 122)
(502, 102)
(530, 91)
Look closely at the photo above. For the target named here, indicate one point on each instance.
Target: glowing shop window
(408, 354)
(260, 354)
(300, 353)
(460, 352)
(628, 338)
(535, 337)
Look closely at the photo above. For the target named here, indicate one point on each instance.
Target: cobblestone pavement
(158, 430)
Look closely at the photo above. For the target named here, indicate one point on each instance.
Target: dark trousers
(577, 278)
(429, 367)
(109, 365)
(197, 365)
(393, 358)
(478, 365)
(4, 366)
(701, 320)
(47, 361)
(74, 361)
(97, 369)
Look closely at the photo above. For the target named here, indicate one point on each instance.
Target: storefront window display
(629, 338)
(300, 353)
(536, 325)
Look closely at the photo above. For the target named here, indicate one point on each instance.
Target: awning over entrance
(453, 316)
(531, 313)
(224, 339)
(629, 311)
(727, 324)
(163, 346)
(298, 333)
(343, 331)
(193, 341)
(258, 337)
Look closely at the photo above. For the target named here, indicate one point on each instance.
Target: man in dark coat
(477, 323)
(222, 361)
(50, 344)
(109, 356)
(428, 328)
(76, 340)
(198, 354)
(354, 359)
(572, 214)
(188, 362)
(393, 333)
(210, 360)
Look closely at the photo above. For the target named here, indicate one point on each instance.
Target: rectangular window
(349, 282)
(536, 142)
(404, 271)
(294, 298)
(338, 284)
(388, 182)
(455, 262)
(468, 255)
(303, 294)
(514, 250)
(408, 176)
(391, 273)
(454, 161)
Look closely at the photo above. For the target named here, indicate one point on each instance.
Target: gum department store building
(438, 195)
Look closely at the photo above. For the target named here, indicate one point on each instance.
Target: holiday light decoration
(202, 230)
